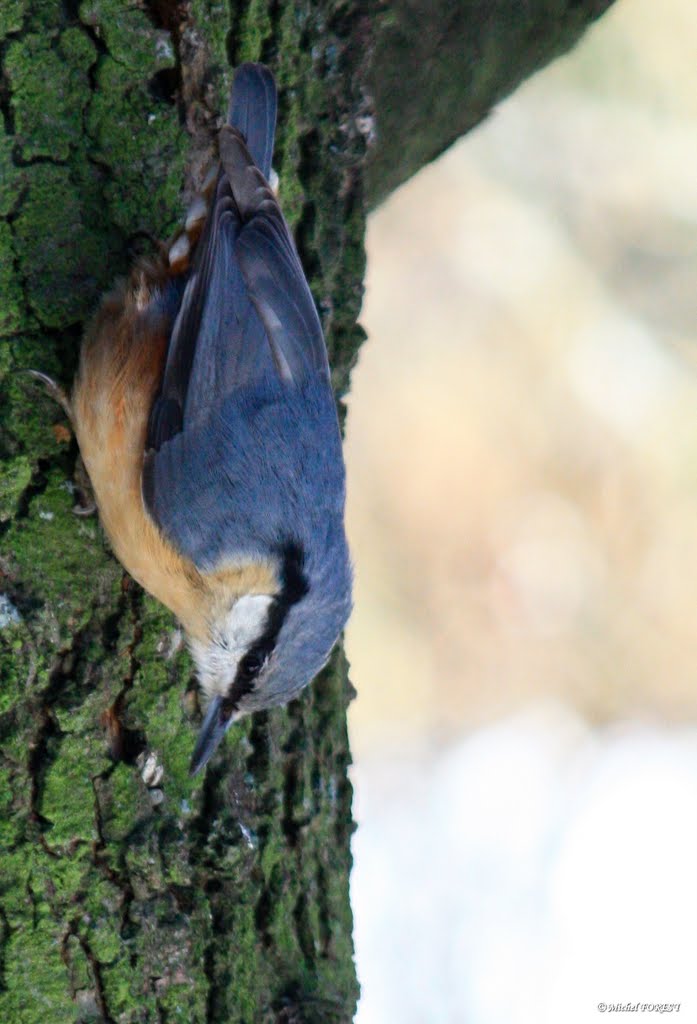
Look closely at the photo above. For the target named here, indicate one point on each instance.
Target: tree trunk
(130, 893)
(441, 65)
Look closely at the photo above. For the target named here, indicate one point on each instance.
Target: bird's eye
(251, 665)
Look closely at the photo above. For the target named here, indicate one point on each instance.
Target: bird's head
(263, 648)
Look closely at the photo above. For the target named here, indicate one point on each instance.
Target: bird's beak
(215, 725)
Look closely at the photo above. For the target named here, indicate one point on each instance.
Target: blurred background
(522, 466)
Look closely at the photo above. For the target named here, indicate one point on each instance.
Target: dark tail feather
(253, 112)
(270, 266)
(249, 189)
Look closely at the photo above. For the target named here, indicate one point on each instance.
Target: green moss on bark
(11, 17)
(12, 312)
(128, 891)
(15, 475)
(47, 107)
(36, 977)
(10, 176)
(127, 897)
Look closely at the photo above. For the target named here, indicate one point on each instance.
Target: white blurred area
(522, 464)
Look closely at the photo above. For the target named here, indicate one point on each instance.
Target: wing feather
(247, 369)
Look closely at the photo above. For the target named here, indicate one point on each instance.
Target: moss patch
(48, 107)
(192, 897)
(15, 475)
(12, 311)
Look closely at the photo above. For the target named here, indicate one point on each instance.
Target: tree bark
(440, 66)
(128, 892)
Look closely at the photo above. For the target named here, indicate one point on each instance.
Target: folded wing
(246, 362)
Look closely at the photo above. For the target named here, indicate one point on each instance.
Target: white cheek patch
(217, 661)
(245, 623)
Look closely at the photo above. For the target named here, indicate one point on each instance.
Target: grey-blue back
(245, 452)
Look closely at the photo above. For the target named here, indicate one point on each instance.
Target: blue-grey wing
(263, 469)
(257, 437)
(215, 294)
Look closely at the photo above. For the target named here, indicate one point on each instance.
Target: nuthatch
(205, 417)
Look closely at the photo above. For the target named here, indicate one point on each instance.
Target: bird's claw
(53, 390)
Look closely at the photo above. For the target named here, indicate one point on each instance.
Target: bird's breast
(121, 365)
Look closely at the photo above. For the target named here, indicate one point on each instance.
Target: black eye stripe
(294, 586)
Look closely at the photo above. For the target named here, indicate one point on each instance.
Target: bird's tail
(203, 272)
(253, 112)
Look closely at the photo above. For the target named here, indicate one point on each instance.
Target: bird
(205, 417)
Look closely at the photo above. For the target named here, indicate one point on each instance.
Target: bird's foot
(53, 390)
(86, 504)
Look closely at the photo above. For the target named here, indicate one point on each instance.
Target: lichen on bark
(222, 898)
(128, 892)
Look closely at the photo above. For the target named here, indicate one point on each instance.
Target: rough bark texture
(124, 899)
(440, 66)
